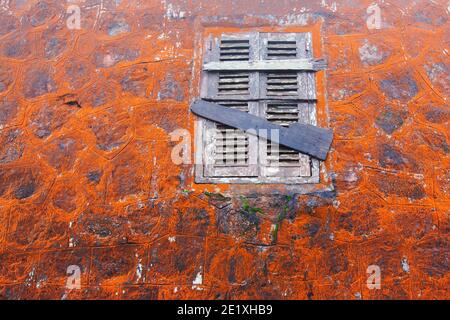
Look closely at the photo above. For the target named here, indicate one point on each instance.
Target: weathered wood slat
(226, 143)
(232, 92)
(233, 86)
(233, 80)
(231, 150)
(282, 46)
(267, 65)
(231, 157)
(235, 45)
(277, 76)
(283, 87)
(234, 57)
(233, 75)
(304, 138)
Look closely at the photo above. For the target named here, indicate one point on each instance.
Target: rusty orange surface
(86, 176)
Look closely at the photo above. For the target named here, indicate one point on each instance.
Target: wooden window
(270, 75)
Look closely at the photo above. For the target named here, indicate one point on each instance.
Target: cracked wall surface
(86, 176)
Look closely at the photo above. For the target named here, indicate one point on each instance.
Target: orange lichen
(87, 179)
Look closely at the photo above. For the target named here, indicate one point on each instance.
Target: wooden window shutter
(289, 95)
(271, 75)
(231, 85)
(277, 160)
(229, 152)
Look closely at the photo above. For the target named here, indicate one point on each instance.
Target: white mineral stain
(405, 265)
(139, 269)
(198, 278)
(332, 6)
(197, 281)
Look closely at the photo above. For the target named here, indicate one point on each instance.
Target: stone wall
(86, 176)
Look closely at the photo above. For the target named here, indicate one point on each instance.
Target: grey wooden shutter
(289, 96)
(231, 85)
(271, 75)
(229, 152)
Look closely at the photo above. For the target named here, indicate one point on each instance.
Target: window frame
(258, 96)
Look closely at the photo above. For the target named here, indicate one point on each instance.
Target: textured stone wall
(86, 176)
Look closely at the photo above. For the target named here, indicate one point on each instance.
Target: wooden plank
(267, 65)
(304, 138)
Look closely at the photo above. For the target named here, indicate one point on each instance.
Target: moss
(186, 192)
(281, 216)
(250, 212)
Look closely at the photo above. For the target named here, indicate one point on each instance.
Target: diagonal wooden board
(304, 138)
